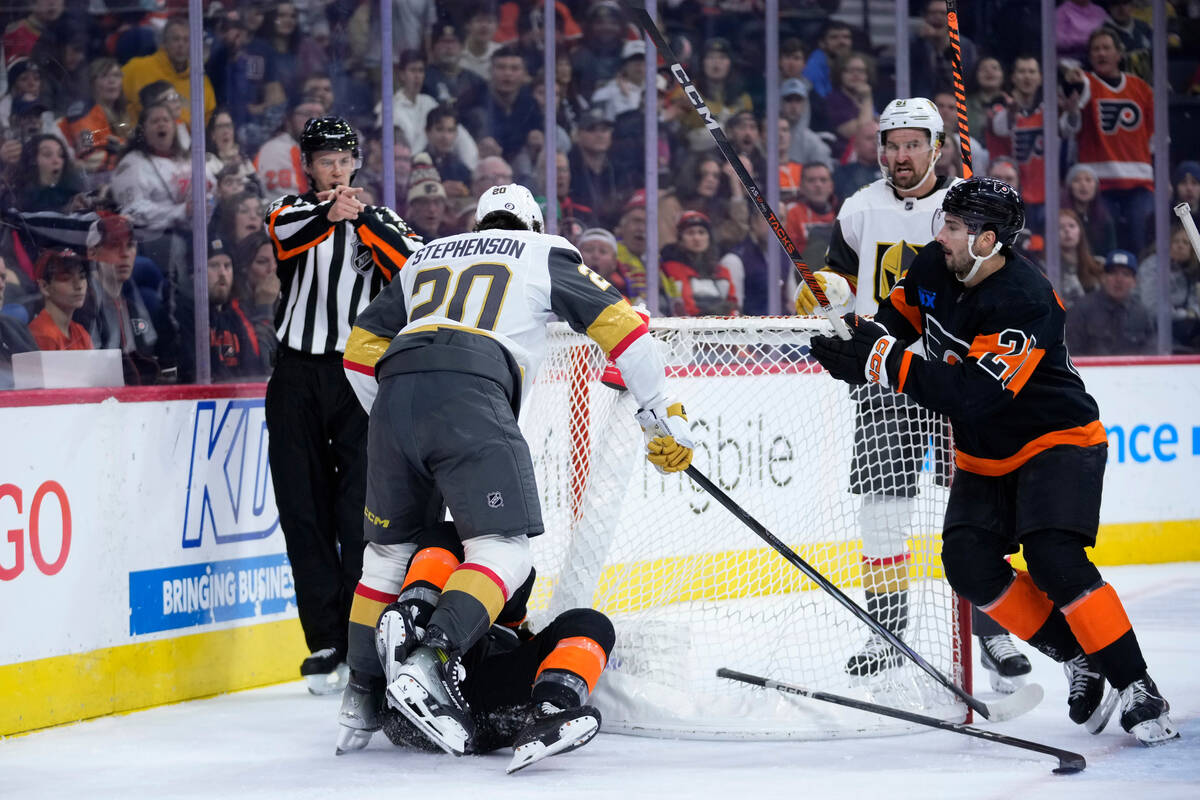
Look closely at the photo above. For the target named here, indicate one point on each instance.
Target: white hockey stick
(1189, 226)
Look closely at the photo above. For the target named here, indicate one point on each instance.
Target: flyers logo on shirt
(892, 260)
(1028, 143)
(1116, 114)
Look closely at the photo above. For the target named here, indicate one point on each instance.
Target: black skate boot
(358, 717)
(1004, 663)
(427, 691)
(553, 731)
(1086, 702)
(395, 638)
(325, 671)
(1144, 713)
(890, 609)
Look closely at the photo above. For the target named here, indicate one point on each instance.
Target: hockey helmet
(514, 199)
(985, 203)
(912, 112)
(329, 133)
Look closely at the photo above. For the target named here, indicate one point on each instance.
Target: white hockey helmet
(516, 200)
(912, 112)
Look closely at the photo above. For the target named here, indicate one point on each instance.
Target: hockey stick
(760, 202)
(1189, 226)
(1013, 705)
(960, 95)
(1068, 762)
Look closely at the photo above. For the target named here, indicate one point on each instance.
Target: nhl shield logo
(495, 500)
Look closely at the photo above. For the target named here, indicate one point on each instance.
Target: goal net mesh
(690, 588)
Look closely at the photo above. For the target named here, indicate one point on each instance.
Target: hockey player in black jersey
(1030, 449)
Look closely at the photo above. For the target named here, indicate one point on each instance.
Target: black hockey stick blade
(1013, 705)
(647, 24)
(1068, 762)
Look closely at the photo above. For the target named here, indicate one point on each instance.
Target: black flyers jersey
(995, 362)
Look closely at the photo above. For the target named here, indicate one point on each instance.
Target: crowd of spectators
(95, 126)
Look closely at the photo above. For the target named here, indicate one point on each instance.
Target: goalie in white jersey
(877, 233)
(453, 341)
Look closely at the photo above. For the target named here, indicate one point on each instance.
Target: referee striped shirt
(330, 271)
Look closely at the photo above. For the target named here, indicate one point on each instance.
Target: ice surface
(278, 743)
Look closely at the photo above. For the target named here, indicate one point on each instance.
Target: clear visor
(941, 219)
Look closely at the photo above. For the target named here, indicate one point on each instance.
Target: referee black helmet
(986, 203)
(329, 133)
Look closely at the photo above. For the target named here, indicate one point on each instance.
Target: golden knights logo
(892, 260)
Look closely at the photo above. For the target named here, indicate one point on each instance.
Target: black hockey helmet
(986, 203)
(329, 133)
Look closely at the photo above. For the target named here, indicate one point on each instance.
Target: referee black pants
(318, 456)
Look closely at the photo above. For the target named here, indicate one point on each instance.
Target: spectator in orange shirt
(62, 277)
(98, 133)
(810, 222)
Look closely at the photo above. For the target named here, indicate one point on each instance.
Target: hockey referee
(334, 254)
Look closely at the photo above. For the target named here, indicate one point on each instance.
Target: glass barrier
(96, 137)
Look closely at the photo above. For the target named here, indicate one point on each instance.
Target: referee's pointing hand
(346, 204)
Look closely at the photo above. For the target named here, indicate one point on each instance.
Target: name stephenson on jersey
(508, 285)
(877, 235)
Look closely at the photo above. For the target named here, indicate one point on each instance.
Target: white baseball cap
(516, 200)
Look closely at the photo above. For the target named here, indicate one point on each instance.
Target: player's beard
(908, 180)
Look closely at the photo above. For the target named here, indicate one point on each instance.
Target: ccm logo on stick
(13, 493)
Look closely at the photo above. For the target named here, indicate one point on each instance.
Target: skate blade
(1154, 732)
(572, 735)
(351, 739)
(1099, 718)
(1011, 706)
(330, 682)
(409, 697)
(1005, 684)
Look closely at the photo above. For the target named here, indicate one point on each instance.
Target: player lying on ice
(521, 690)
(441, 358)
(1030, 449)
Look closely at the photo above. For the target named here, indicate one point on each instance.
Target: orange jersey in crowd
(1115, 136)
(1029, 151)
(89, 133)
(279, 165)
(48, 336)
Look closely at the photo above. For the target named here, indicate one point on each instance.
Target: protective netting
(689, 587)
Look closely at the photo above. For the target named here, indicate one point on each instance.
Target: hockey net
(688, 587)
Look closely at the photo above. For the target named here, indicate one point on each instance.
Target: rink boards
(141, 560)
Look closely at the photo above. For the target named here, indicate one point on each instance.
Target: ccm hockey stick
(1008, 707)
(714, 128)
(1068, 762)
(960, 94)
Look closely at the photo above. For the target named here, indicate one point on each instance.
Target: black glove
(870, 355)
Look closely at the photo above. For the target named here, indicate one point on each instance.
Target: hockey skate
(426, 691)
(325, 671)
(553, 731)
(395, 639)
(1087, 704)
(1005, 664)
(875, 657)
(359, 714)
(1144, 713)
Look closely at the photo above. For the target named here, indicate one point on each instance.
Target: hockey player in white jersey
(453, 342)
(877, 233)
